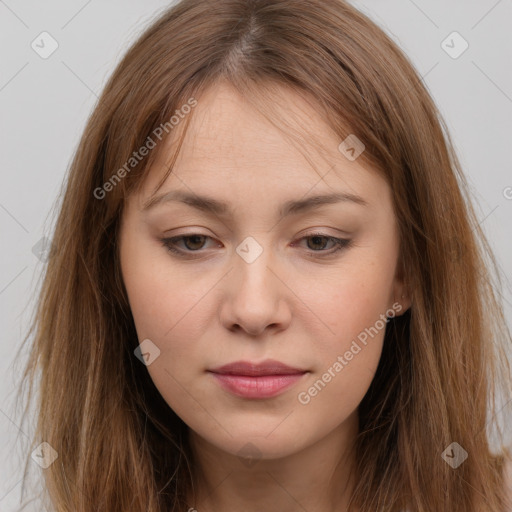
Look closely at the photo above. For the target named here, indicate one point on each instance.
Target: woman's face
(259, 280)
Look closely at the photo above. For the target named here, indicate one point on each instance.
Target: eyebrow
(216, 207)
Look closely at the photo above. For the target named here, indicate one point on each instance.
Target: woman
(268, 289)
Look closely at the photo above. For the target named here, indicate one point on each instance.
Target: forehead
(230, 144)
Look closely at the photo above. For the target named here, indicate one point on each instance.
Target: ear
(401, 295)
(401, 298)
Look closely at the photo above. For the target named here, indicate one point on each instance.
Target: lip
(257, 380)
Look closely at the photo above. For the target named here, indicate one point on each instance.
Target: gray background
(45, 102)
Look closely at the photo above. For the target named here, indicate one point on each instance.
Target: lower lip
(265, 386)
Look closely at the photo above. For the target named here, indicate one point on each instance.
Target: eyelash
(340, 243)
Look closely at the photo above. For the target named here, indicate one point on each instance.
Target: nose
(256, 297)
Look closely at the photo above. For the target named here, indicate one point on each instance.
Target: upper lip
(267, 367)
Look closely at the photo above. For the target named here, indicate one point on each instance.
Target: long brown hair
(120, 445)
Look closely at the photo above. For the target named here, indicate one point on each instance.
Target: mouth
(257, 380)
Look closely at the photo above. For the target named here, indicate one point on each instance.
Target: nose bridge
(253, 301)
(252, 262)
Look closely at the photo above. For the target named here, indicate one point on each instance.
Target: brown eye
(192, 243)
(317, 244)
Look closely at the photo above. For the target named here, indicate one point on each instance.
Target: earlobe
(401, 297)
(405, 301)
(401, 294)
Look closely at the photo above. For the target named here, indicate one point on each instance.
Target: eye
(318, 241)
(192, 242)
(195, 242)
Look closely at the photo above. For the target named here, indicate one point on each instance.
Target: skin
(290, 304)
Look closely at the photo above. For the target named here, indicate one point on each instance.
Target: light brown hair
(120, 445)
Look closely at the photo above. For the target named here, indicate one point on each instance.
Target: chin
(259, 443)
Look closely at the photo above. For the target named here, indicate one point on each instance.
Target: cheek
(348, 356)
(171, 312)
(172, 307)
(162, 297)
(349, 300)
(352, 302)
